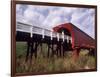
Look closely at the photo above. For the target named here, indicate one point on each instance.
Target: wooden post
(67, 39)
(48, 53)
(76, 54)
(58, 36)
(51, 35)
(31, 32)
(43, 33)
(63, 36)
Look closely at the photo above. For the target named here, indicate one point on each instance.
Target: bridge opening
(67, 44)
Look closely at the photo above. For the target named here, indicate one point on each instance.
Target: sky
(50, 16)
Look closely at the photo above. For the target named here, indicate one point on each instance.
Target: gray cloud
(51, 16)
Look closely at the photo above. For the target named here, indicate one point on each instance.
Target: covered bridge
(80, 40)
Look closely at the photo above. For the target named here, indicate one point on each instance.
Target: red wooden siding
(79, 38)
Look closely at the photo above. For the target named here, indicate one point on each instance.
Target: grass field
(54, 64)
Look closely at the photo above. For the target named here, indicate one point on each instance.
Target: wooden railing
(23, 27)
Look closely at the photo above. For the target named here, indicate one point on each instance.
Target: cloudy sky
(51, 16)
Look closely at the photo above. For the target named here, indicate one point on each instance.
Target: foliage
(52, 64)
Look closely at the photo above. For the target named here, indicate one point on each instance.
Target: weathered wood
(76, 52)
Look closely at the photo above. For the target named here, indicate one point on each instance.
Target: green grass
(54, 64)
(21, 49)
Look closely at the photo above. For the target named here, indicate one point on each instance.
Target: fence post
(51, 35)
(43, 33)
(63, 36)
(31, 32)
(58, 36)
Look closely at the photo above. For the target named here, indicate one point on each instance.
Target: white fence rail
(41, 31)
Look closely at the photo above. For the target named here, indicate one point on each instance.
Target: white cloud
(57, 16)
(50, 16)
(85, 21)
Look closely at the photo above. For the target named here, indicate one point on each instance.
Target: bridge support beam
(76, 52)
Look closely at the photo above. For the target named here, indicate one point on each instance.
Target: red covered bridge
(80, 40)
(64, 37)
